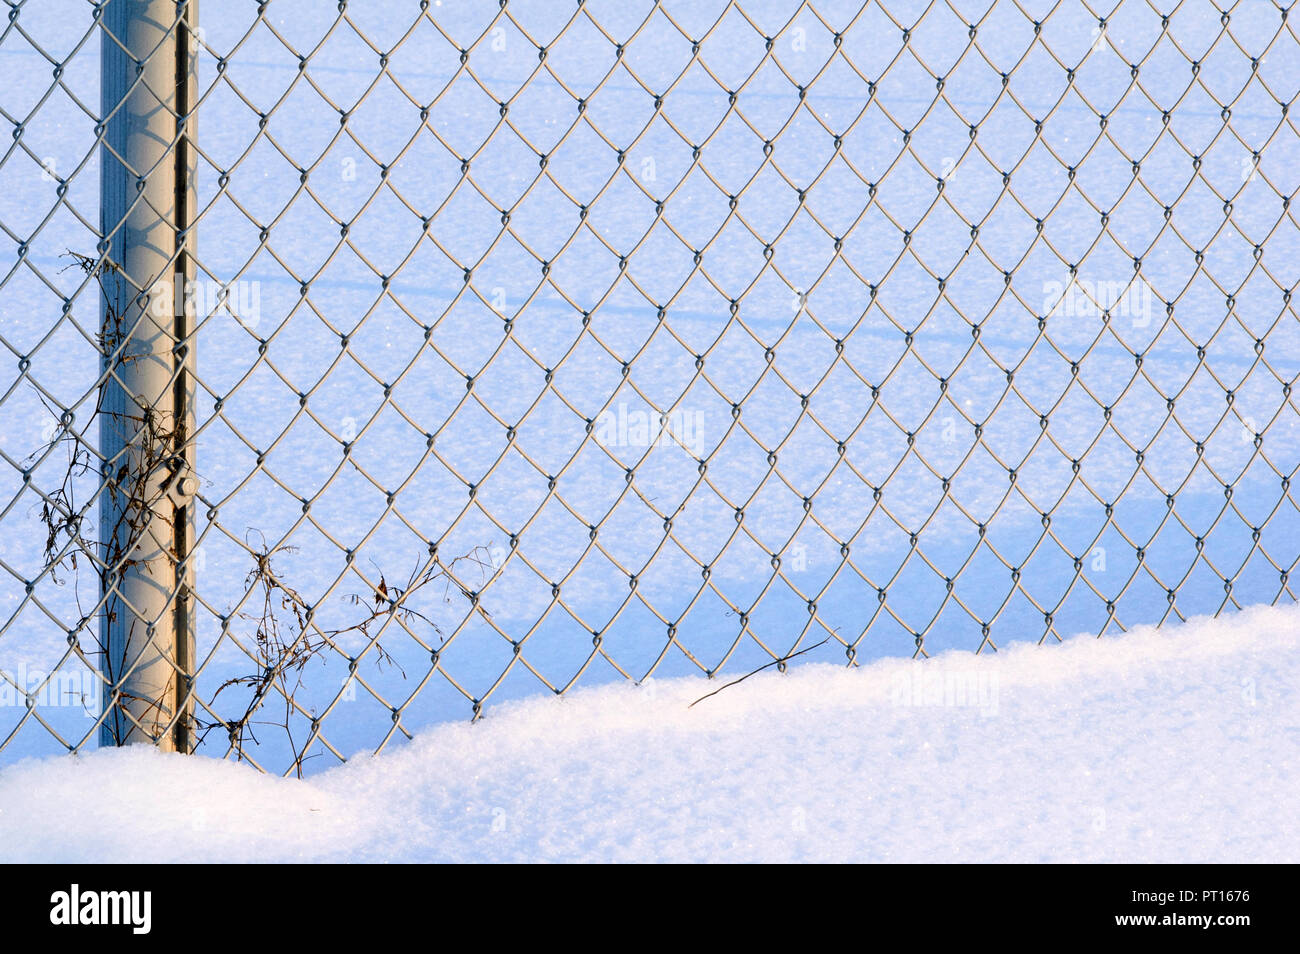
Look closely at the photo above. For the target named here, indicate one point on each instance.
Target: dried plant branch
(774, 662)
(286, 640)
(155, 449)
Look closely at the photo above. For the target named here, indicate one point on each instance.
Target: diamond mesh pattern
(539, 344)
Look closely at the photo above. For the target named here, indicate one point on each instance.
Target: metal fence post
(146, 400)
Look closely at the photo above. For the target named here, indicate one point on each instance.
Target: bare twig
(70, 538)
(284, 646)
(286, 640)
(774, 662)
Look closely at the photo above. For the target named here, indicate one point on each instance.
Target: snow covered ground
(399, 294)
(1176, 745)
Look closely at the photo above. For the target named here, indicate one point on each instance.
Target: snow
(982, 531)
(1179, 744)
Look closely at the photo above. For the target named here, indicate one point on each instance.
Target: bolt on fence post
(147, 205)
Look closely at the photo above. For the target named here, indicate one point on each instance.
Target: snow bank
(1181, 744)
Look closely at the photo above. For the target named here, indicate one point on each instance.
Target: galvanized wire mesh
(534, 344)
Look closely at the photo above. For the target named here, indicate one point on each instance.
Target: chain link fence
(366, 364)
